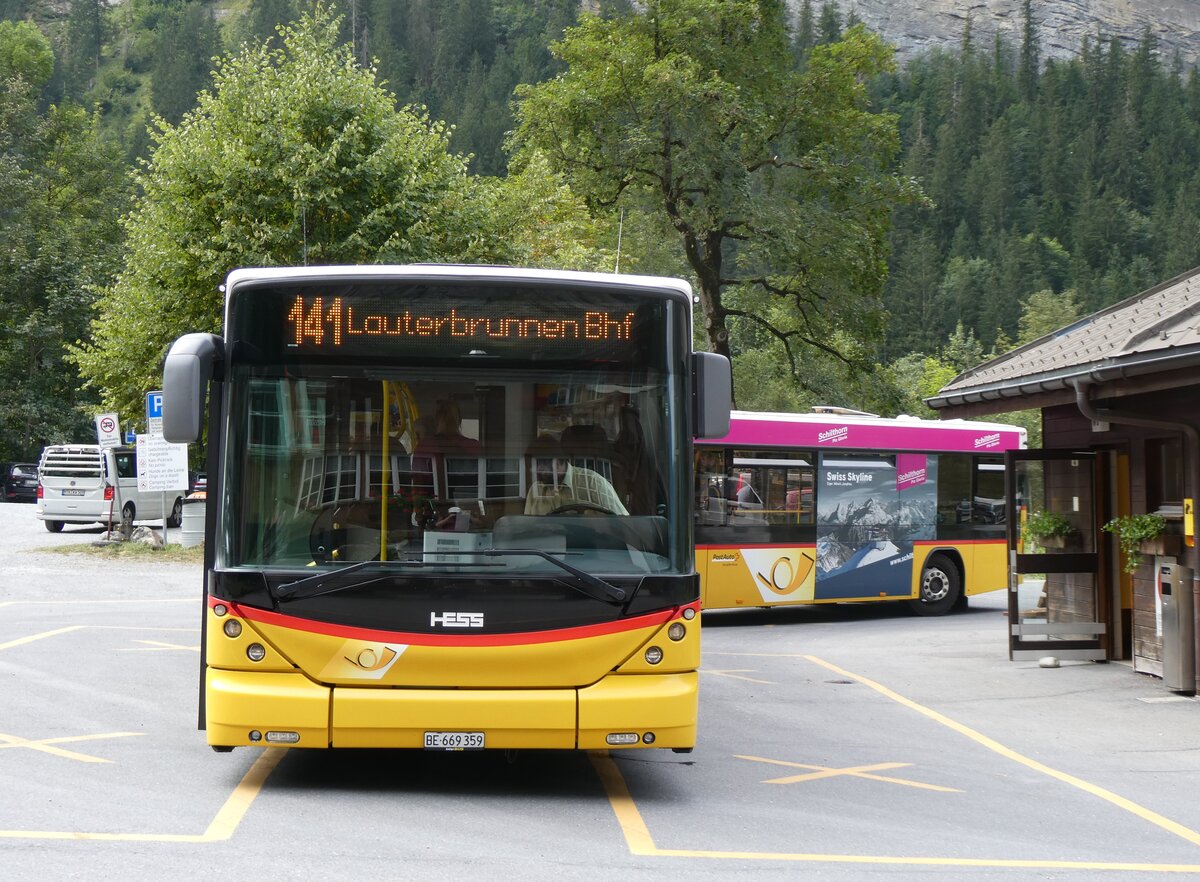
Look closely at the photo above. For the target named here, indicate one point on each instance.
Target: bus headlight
(677, 631)
(654, 655)
(232, 628)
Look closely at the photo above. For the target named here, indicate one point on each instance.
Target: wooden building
(1119, 396)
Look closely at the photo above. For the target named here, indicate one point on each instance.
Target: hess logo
(456, 619)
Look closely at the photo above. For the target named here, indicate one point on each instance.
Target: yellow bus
(448, 507)
(841, 506)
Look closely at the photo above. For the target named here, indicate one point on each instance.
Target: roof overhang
(1176, 367)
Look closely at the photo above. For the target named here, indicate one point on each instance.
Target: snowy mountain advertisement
(870, 511)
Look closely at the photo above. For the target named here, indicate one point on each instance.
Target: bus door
(1055, 605)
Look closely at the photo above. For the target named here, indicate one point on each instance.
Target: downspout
(1109, 415)
(1083, 402)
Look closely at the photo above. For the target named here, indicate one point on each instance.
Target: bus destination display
(328, 323)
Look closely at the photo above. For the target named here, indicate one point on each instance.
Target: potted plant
(1048, 528)
(1141, 534)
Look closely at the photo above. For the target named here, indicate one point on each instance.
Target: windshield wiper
(592, 586)
(315, 585)
(318, 584)
(290, 590)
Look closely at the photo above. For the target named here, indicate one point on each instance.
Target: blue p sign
(154, 405)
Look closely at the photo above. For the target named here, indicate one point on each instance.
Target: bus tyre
(127, 515)
(941, 587)
(54, 526)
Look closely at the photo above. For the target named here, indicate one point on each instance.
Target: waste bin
(192, 523)
(1179, 628)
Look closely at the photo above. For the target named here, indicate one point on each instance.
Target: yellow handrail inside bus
(401, 424)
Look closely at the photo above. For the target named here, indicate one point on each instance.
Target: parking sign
(154, 410)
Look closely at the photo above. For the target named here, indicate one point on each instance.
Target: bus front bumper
(284, 709)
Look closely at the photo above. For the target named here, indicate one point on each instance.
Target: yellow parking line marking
(44, 744)
(637, 834)
(1008, 753)
(821, 772)
(223, 825)
(639, 841)
(732, 674)
(21, 641)
(156, 646)
(243, 796)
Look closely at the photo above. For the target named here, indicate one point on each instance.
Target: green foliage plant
(297, 156)
(1047, 525)
(1131, 531)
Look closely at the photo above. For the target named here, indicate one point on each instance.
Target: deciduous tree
(778, 182)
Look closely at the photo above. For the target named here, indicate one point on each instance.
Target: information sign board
(161, 465)
(108, 430)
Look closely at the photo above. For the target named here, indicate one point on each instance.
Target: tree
(1045, 312)
(777, 182)
(186, 42)
(25, 54)
(296, 156)
(61, 193)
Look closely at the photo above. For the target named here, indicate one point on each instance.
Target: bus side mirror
(712, 391)
(186, 374)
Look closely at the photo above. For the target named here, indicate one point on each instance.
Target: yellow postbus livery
(840, 506)
(449, 507)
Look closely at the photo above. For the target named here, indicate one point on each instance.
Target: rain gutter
(1067, 379)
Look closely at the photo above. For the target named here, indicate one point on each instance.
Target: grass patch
(132, 551)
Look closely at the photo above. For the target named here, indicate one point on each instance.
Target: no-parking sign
(108, 429)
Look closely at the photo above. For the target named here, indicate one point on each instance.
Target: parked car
(87, 484)
(20, 481)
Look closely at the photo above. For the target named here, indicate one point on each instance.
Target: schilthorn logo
(988, 440)
(833, 436)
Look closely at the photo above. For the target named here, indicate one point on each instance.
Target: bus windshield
(413, 453)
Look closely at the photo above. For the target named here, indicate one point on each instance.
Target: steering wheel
(580, 508)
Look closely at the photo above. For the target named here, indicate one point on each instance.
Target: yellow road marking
(1008, 753)
(820, 772)
(21, 641)
(223, 825)
(640, 842)
(733, 675)
(156, 646)
(44, 744)
(243, 796)
(637, 834)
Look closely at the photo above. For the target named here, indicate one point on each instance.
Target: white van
(87, 484)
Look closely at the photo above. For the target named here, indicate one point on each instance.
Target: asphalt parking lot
(841, 743)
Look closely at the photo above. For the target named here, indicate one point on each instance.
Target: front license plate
(454, 741)
(72, 493)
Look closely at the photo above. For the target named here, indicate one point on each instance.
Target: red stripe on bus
(522, 638)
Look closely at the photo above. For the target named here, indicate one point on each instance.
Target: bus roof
(848, 431)
(450, 272)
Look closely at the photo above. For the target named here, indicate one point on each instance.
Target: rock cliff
(915, 26)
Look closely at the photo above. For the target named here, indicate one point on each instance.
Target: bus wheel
(941, 588)
(54, 526)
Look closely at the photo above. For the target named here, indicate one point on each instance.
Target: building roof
(1156, 331)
